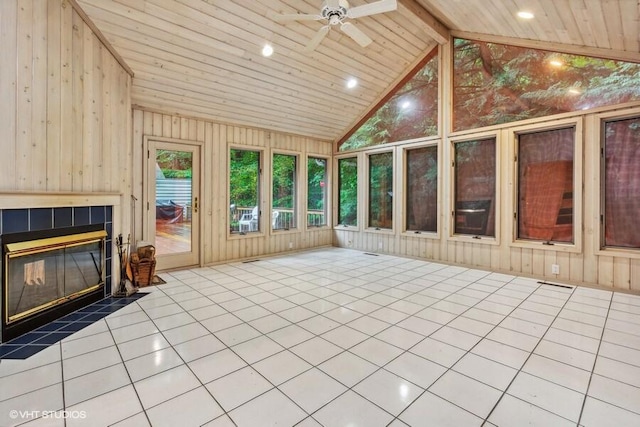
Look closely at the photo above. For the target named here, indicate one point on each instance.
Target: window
(411, 111)
(316, 192)
(496, 83)
(422, 189)
(283, 208)
(381, 190)
(348, 191)
(545, 185)
(244, 191)
(621, 184)
(475, 187)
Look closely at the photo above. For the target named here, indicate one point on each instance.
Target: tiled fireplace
(55, 260)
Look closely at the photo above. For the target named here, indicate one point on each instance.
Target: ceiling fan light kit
(335, 12)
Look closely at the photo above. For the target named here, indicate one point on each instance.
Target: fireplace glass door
(40, 277)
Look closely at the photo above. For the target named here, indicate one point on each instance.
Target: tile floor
(336, 337)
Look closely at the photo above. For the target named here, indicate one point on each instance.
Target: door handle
(195, 205)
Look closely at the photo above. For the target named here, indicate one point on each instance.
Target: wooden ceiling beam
(436, 29)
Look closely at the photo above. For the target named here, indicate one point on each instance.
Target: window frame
(394, 188)
(599, 203)
(327, 196)
(336, 194)
(484, 240)
(578, 205)
(296, 193)
(261, 199)
(405, 193)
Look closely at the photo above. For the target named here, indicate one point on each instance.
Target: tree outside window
(411, 111)
(348, 191)
(244, 190)
(496, 83)
(316, 192)
(381, 190)
(284, 191)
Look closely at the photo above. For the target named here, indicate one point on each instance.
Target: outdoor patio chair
(249, 222)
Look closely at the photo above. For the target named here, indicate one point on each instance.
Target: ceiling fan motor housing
(335, 14)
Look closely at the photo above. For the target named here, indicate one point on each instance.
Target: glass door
(173, 203)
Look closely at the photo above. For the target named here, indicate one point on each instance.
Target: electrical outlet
(555, 269)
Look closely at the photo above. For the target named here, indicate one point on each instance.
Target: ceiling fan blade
(352, 31)
(296, 17)
(315, 41)
(381, 6)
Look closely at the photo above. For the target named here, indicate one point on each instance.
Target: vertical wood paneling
(563, 260)
(88, 111)
(23, 140)
(8, 95)
(65, 167)
(605, 271)
(217, 245)
(77, 102)
(635, 275)
(38, 143)
(96, 117)
(140, 126)
(621, 273)
(54, 97)
(65, 118)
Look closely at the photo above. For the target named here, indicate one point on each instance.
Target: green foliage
(380, 190)
(348, 191)
(412, 112)
(316, 188)
(244, 168)
(495, 83)
(175, 164)
(284, 172)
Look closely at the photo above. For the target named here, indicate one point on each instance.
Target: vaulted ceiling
(202, 58)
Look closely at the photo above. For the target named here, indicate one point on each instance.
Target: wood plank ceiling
(202, 58)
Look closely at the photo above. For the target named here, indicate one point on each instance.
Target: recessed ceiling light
(351, 83)
(267, 50)
(405, 105)
(525, 15)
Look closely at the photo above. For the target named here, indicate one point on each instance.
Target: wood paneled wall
(65, 110)
(215, 139)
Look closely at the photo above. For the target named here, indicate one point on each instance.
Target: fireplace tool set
(125, 268)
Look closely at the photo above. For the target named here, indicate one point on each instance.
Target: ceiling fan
(335, 12)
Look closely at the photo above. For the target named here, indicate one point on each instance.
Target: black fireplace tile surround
(48, 221)
(37, 340)
(43, 219)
